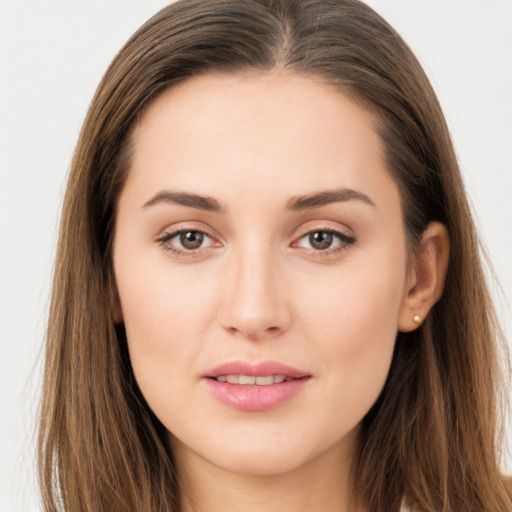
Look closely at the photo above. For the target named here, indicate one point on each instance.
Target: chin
(258, 462)
(257, 455)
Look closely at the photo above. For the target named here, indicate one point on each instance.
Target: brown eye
(186, 242)
(321, 240)
(325, 241)
(191, 239)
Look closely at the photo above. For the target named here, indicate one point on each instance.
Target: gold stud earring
(417, 319)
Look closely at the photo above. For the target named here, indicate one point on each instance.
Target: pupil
(191, 239)
(320, 240)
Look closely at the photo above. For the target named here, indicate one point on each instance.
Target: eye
(191, 240)
(325, 240)
(185, 241)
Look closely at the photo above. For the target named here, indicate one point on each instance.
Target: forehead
(264, 132)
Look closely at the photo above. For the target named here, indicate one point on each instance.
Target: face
(260, 261)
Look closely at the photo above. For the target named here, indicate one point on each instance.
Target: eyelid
(345, 236)
(311, 227)
(165, 236)
(179, 227)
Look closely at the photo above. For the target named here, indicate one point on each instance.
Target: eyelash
(345, 241)
(165, 239)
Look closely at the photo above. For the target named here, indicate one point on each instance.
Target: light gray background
(52, 55)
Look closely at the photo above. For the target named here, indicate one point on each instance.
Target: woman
(268, 289)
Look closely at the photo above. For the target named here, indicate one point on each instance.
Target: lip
(253, 397)
(258, 370)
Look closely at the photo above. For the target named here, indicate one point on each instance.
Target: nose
(255, 305)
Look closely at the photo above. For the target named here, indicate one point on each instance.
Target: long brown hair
(432, 437)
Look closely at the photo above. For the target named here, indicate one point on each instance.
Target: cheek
(164, 315)
(345, 306)
(158, 301)
(353, 319)
(157, 310)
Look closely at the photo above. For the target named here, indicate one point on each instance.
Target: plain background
(52, 55)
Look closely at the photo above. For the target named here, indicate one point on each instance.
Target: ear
(426, 277)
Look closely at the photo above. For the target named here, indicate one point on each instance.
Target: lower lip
(256, 398)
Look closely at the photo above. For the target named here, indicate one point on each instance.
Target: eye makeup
(188, 242)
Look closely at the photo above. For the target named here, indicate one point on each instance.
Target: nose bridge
(255, 304)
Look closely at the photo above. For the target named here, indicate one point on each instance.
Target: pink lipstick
(255, 387)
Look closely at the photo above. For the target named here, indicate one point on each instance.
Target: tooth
(246, 379)
(265, 381)
(250, 380)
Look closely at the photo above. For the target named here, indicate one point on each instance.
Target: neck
(322, 483)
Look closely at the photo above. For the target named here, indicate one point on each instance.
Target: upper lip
(256, 370)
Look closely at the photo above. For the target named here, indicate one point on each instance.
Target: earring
(416, 319)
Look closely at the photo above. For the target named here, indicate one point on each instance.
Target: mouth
(255, 387)
(252, 380)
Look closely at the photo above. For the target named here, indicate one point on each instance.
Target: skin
(257, 289)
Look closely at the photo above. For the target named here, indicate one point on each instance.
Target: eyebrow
(319, 199)
(296, 203)
(208, 204)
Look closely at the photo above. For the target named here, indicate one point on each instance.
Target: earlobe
(426, 277)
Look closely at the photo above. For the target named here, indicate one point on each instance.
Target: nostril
(254, 333)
